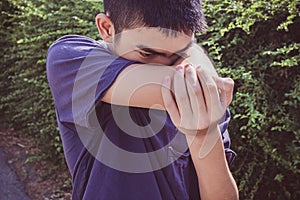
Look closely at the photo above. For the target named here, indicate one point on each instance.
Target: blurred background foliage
(257, 43)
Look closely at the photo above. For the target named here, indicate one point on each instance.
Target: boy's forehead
(155, 38)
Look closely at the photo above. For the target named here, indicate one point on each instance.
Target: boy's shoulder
(70, 46)
(75, 39)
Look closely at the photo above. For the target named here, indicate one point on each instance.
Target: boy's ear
(105, 27)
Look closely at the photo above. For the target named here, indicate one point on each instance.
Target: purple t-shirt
(116, 152)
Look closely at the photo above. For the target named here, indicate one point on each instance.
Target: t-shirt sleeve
(79, 72)
(223, 125)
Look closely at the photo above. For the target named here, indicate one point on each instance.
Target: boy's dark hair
(177, 15)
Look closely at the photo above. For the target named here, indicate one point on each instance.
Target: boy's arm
(139, 85)
(214, 177)
(195, 107)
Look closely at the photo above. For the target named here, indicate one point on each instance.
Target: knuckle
(210, 86)
(181, 98)
(191, 82)
(198, 91)
(229, 83)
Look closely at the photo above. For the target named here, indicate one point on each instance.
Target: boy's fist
(198, 100)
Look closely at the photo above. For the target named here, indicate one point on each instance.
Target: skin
(187, 87)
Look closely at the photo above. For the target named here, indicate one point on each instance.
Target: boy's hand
(198, 101)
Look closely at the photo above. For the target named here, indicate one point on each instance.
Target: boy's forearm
(139, 85)
(214, 177)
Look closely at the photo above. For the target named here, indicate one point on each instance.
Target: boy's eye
(145, 55)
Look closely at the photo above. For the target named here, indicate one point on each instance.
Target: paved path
(10, 186)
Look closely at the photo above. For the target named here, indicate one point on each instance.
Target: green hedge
(257, 43)
(28, 28)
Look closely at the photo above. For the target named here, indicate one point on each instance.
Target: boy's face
(151, 45)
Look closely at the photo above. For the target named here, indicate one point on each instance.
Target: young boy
(125, 135)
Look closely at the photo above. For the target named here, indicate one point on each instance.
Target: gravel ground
(10, 186)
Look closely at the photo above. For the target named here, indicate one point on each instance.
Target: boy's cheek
(131, 56)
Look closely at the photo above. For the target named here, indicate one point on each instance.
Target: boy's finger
(226, 85)
(181, 95)
(194, 91)
(169, 102)
(211, 94)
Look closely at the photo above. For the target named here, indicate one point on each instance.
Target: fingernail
(179, 68)
(198, 68)
(188, 66)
